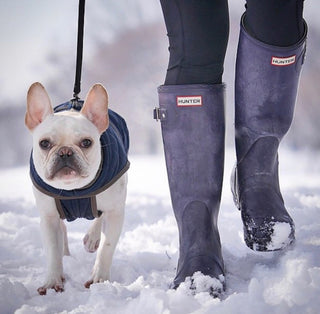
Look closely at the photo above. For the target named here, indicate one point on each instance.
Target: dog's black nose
(65, 152)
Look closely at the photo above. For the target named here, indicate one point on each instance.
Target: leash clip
(76, 103)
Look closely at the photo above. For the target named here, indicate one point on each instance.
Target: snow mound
(200, 283)
(12, 295)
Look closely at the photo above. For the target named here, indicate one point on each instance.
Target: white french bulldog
(67, 155)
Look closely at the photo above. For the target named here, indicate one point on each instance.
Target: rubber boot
(193, 128)
(266, 85)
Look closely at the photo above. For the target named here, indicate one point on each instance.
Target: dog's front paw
(56, 284)
(91, 241)
(99, 274)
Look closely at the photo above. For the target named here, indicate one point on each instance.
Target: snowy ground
(145, 259)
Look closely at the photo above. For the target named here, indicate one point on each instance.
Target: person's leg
(198, 34)
(192, 122)
(267, 76)
(275, 22)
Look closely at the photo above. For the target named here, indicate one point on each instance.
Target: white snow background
(146, 256)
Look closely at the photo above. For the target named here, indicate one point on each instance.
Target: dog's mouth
(64, 170)
(66, 173)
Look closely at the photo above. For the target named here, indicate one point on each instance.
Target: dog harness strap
(59, 208)
(95, 212)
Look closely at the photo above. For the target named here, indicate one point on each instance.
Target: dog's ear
(38, 106)
(95, 107)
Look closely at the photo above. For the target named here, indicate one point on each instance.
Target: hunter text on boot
(283, 61)
(189, 101)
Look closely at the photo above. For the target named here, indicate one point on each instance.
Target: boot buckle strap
(159, 114)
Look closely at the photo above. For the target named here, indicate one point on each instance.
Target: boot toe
(267, 235)
(201, 274)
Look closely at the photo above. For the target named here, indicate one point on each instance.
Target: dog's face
(66, 145)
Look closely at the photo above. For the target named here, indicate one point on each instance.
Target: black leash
(77, 83)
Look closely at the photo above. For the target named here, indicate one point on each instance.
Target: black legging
(198, 34)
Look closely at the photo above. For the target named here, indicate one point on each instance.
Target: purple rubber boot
(266, 86)
(193, 128)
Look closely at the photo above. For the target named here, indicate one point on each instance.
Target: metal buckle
(159, 114)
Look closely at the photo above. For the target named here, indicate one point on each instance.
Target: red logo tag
(189, 101)
(283, 61)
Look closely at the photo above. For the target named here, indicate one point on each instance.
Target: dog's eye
(86, 143)
(45, 144)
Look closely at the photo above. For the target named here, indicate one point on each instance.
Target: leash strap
(77, 83)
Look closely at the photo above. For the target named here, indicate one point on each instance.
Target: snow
(145, 258)
(280, 237)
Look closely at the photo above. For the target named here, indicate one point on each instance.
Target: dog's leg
(111, 228)
(52, 232)
(112, 204)
(66, 251)
(53, 243)
(91, 240)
